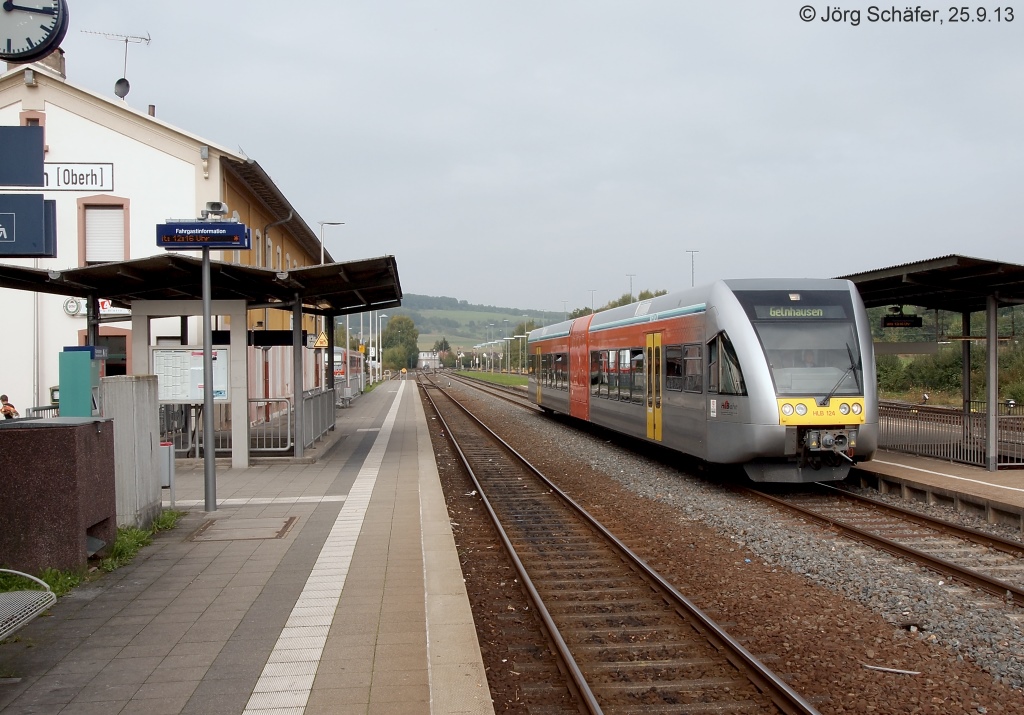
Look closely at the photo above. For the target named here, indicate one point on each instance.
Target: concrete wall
(57, 490)
(131, 402)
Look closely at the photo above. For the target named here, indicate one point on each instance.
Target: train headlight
(787, 410)
(814, 440)
(801, 409)
(844, 409)
(857, 409)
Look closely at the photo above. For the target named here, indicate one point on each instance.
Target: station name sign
(203, 234)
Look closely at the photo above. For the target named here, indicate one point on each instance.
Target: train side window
(595, 372)
(691, 380)
(639, 391)
(602, 390)
(713, 365)
(624, 375)
(545, 370)
(674, 367)
(732, 375)
(562, 371)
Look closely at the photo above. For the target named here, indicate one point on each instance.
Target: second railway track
(630, 641)
(984, 561)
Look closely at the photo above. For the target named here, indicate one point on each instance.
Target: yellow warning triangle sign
(321, 340)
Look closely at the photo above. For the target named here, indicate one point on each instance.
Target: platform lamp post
(692, 274)
(381, 317)
(522, 352)
(323, 320)
(508, 352)
(322, 224)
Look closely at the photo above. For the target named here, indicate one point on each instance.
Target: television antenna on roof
(121, 86)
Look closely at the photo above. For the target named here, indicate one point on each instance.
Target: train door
(538, 375)
(579, 368)
(653, 370)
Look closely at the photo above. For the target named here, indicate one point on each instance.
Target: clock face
(31, 29)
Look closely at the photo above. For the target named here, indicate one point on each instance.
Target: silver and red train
(776, 375)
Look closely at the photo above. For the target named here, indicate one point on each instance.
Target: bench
(17, 608)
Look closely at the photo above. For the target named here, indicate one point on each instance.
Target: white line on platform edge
(948, 476)
(273, 692)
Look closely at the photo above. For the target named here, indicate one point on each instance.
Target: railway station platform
(997, 497)
(324, 587)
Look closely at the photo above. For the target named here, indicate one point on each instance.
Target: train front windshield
(809, 339)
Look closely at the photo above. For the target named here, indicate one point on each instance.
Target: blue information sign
(27, 226)
(22, 151)
(191, 235)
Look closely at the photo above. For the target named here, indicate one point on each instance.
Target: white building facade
(115, 173)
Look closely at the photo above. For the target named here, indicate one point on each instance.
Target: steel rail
(770, 684)
(988, 584)
(992, 541)
(520, 400)
(583, 692)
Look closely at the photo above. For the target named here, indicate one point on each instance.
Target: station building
(115, 173)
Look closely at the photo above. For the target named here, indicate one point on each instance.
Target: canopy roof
(328, 289)
(956, 283)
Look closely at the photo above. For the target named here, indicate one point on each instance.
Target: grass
(127, 545)
(935, 397)
(498, 378)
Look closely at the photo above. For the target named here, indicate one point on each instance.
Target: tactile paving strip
(301, 643)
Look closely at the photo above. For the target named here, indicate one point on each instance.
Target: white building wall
(158, 182)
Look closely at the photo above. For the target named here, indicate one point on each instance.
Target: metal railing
(317, 415)
(44, 411)
(271, 424)
(950, 433)
(182, 425)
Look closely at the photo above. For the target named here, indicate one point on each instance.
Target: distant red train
(778, 376)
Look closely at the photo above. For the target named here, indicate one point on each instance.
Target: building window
(103, 234)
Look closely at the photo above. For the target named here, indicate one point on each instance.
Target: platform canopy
(955, 283)
(330, 289)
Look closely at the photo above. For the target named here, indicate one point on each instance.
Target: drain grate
(238, 529)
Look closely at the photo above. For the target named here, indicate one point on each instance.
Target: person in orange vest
(8, 410)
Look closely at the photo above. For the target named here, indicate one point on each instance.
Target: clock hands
(9, 6)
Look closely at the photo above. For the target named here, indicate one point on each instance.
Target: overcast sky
(527, 153)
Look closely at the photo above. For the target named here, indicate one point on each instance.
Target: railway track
(977, 559)
(971, 557)
(502, 392)
(627, 640)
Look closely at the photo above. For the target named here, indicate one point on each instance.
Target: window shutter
(104, 234)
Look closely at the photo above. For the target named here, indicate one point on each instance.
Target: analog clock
(31, 29)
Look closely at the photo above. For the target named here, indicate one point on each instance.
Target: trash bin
(167, 468)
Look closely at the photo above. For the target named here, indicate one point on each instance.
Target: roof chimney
(152, 110)
(54, 60)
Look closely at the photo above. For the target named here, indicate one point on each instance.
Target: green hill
(464, 324)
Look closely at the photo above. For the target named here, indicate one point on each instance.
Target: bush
(892, 376)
